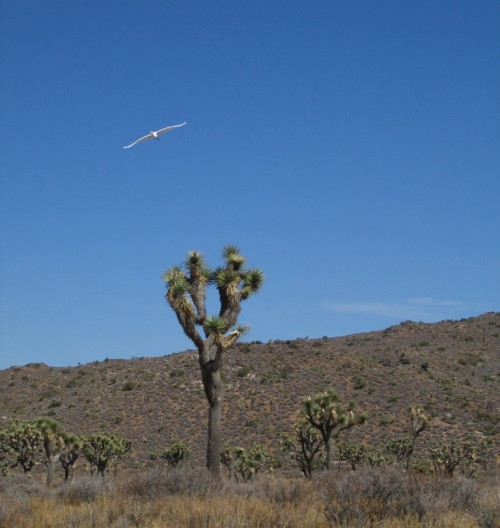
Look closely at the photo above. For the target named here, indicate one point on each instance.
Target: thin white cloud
(418, 308)
(429, 301)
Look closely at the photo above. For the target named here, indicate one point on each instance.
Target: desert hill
(452, 368)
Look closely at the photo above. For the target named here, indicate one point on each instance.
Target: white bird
(154, 134)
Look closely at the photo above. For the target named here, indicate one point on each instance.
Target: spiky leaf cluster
(324, 411)
(186, 292)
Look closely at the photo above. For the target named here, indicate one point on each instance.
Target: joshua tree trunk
(214, 391)
(51, 466)
(69, 471)
(214, 426)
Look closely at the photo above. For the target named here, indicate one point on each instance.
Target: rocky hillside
(452, 368)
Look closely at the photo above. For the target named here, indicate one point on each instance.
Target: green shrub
(243, 372)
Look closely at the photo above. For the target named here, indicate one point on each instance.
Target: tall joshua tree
(186, 293)
(54, 439)
(419, 423)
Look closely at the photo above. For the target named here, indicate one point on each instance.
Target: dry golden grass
(188, 499)
(191, 512)
(175, 512)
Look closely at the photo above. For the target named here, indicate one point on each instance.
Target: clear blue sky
(350, 149)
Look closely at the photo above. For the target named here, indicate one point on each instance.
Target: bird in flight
(154, 134)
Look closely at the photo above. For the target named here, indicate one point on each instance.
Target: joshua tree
(246, 462)
(69, 454)
(303, 447)
(447, 455)
(54, 440)
(175, 452)
(401, 448)
(325, 413)
(229, 456)
(419, 423)
(103, 449)
(23, 441)
(352, 452)
(186, 294)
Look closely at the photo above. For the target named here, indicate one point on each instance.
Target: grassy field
(182, 498)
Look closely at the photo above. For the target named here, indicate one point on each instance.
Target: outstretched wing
(166, 129)
(140, 140)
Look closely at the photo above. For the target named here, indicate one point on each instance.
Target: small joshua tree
(228, 457)
(303, 446)
(175, 453)
(23, 441)
(353, 453)
(70, 453)
(104, 449)
(326, 413)
(401, 448)
(245, 462)
(447, 455)
(186, 295)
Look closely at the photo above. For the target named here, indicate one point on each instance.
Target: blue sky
(350, 149)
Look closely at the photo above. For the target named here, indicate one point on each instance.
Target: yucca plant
(54, 443)
(23, 441)
(303, 446)
(326, 413)
(104, 449)
(212, 335)
(175, 453)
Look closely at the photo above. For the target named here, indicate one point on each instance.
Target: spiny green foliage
(214, 324)
(53, 434)
(175, 453)
(352, 452)
(186, 290)
(104, 449)
(244, 462)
